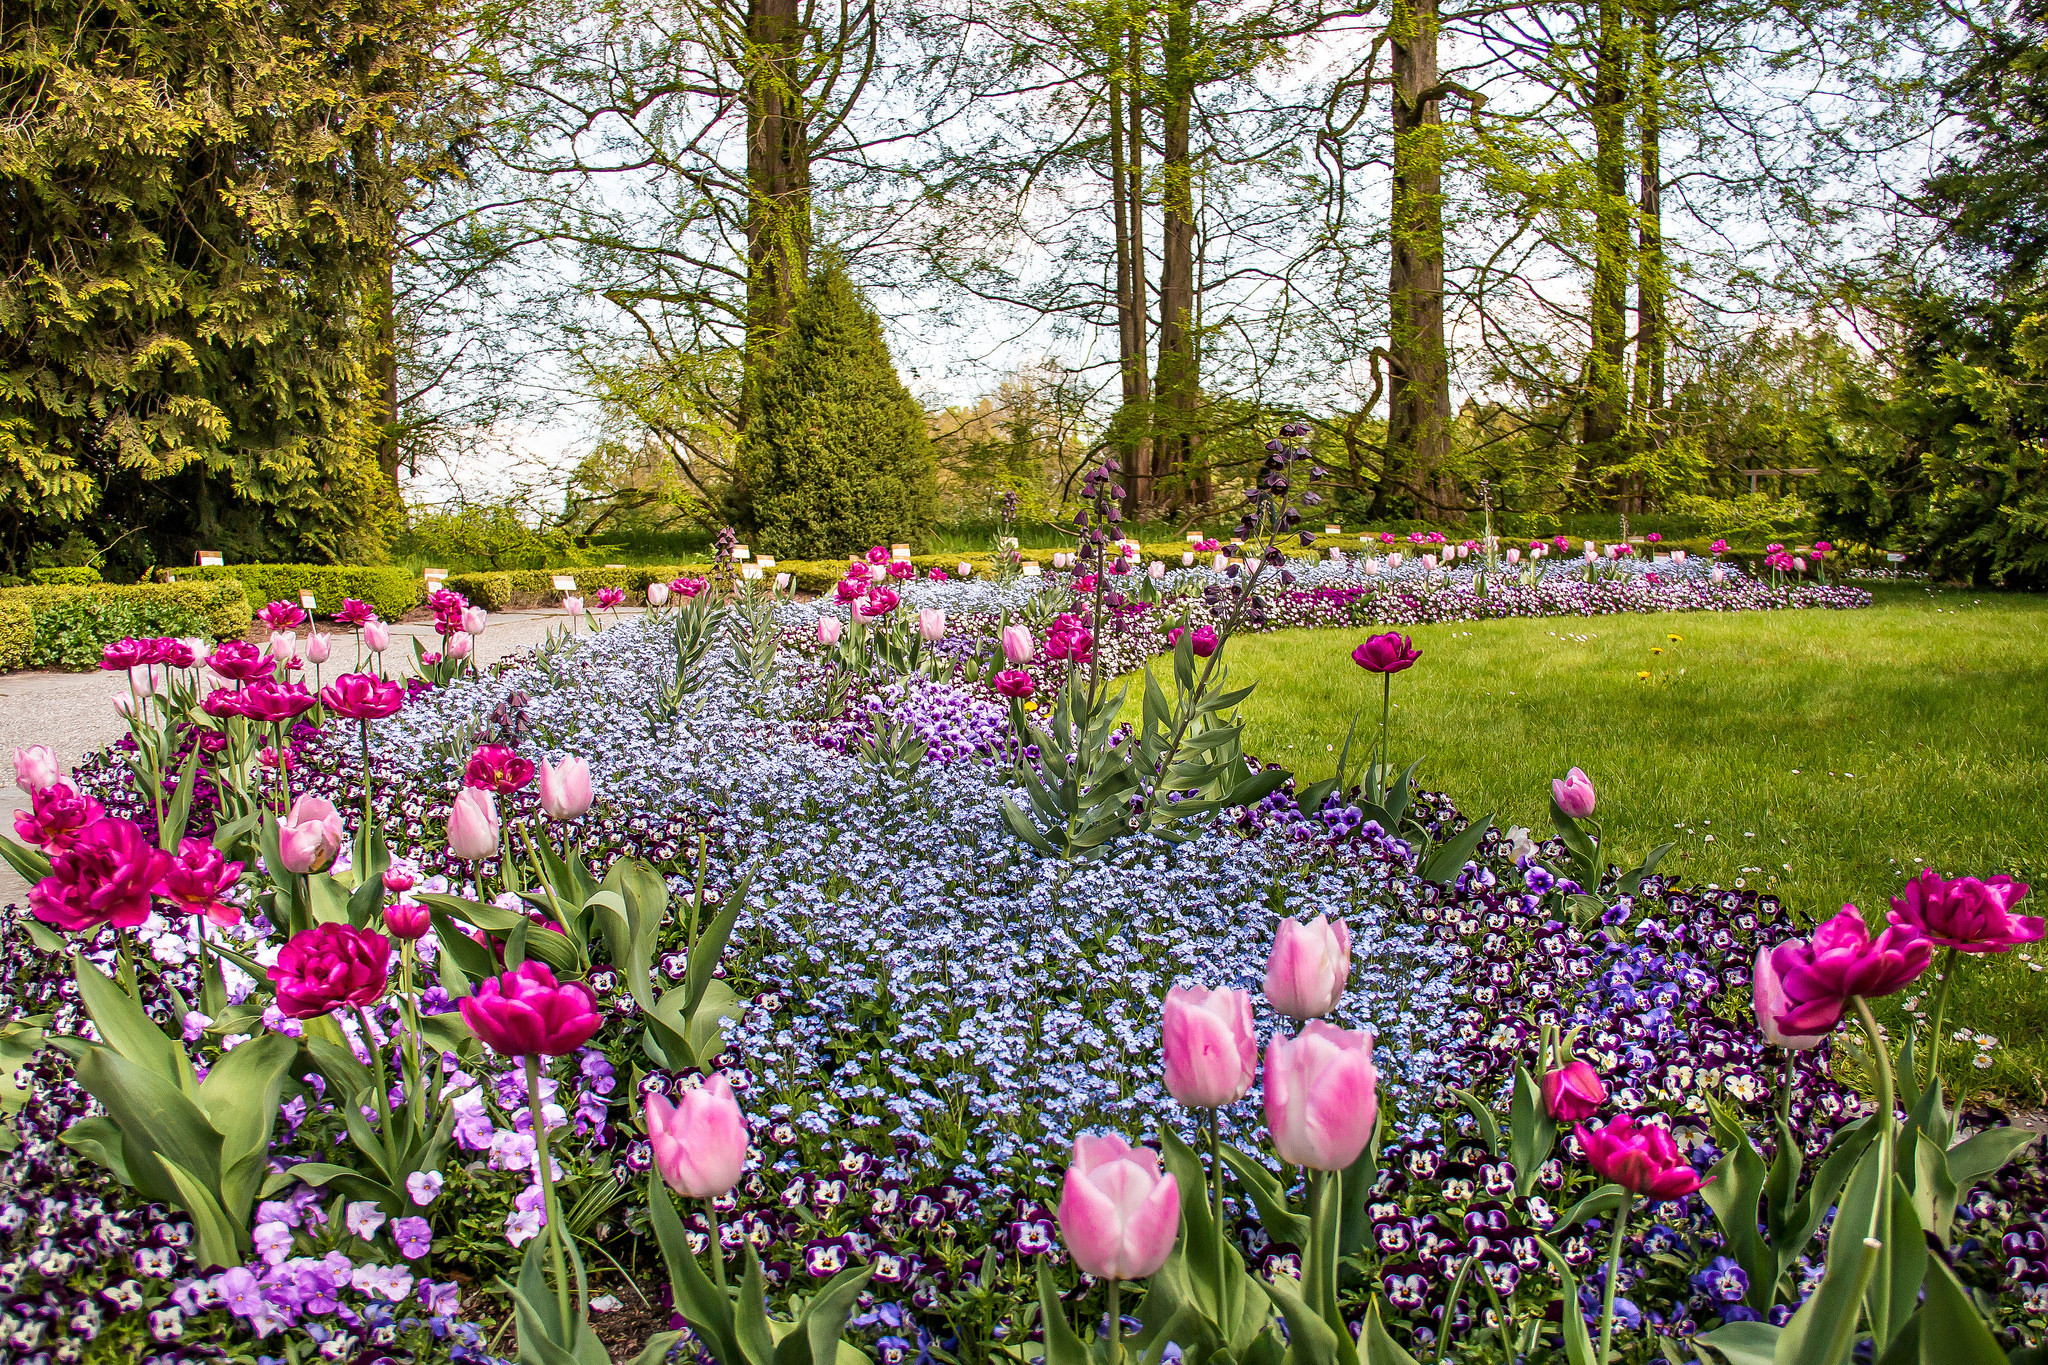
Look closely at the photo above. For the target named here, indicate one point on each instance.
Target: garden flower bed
(757, 910)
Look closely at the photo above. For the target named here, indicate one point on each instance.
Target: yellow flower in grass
(1674, 637)
(1655, 650)
(1644, 675)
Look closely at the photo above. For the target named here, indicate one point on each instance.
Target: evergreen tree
(836, 455)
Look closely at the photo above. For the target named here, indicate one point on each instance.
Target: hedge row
(17, 633)
(69, 623)
(390, 590)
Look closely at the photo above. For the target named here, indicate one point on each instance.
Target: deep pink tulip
(473, 824)
(1968, 914)
(565, 788)
(686, 588)
(196, 878)
(1308, 967)
(1015, 682)
(55, 817)
(35, 768)
(1642, 1160)
(330, 965)
(1574, 794)
(1017, 645)
(408, 920)
(355, 612)
(1573, 1092)
(493, 767)
(103, 875)
(310, 835)
(281, 615)
(1204, 641)
(1322, 1095)
(1770, 1002)
(362, 696)
(607, 598)
(1388, 653)
(526, 1012)
(700, 1141)
(122, 655)
(1211, 1049)
(240, 661)
(1118, 1214)
(1820, 974)
(275, 703)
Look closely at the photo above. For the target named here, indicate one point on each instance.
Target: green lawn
(1826, 755)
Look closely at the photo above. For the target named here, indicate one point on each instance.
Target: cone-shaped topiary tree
(836, 456)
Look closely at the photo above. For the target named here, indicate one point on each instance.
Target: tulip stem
(717, 1246)
(1613, 1280)
(1216, 1174)
(383, 1082)
(1386, 716)
(284, 772)
(1888, 1121)
(1948, 976)
(363, 724)
(544, 1167)
(1785, 1084)
(1116, 1322)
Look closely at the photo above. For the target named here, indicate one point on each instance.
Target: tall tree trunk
(1651, 288)
(387, 369)
(1606, 377)
(1126, 152)
(1179, 382)
(1418, 364)
(778, 174)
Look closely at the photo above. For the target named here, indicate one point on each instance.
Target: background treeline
(273, 269)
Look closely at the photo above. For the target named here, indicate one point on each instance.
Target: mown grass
(1824, 755)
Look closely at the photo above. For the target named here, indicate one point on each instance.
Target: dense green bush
(17, 633)
(836, 455)
(71, 623)
(68, 573)
(390, 590)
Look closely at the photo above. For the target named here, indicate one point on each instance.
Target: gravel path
(74, 714)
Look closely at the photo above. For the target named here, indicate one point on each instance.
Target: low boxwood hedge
(17, 633)
(390, 590)
(69, 624)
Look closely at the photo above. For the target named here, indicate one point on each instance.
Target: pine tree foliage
(836, 455)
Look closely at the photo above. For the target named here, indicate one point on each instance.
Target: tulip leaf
(1983, 1154)
(1532, 1133)
(1585, 853)
(217, 1239)
(1848, 1145)
(31, 865)
(1632, 881)
(816, 1340)
(326, 899)
(99, 1137)
(1379, 1348)
(1578, 1344)
(703, 1305)
(470, 958)
(1602, 1201)
(1732, 1192)
(1062, 1346)
(240, 1096)
(1907, 1248)
(127, 1030)
(157, 1120)
(1740, 1343)
(492, 919)
(179, 812)
(1449, 858)
(710, 946)
(658, 1347)
(1282, 1223)
(1482, 1114)
(1310, 1340)
(553, 949)
(1952, 1332)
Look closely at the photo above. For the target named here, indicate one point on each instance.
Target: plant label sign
(434, 576)
(208, 559)
(306, 600)
(565, 582)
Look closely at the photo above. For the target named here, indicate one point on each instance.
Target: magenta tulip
(1118, 1214)
(35, 768)
(239, 661)
(1770, 1002)
(493, 767)
(1573, 1092)
(310, 836)
(275, 703)
(1211, 1049)
(565, 788)
(1642, 1160)
(526, 1012)
(196, 878)
(1308, 967)
(1388, 653)
(1573, 794)
(1018, 646)
(700, 1141)
(1966, 914)
(1015, 682)
(473, 825)
(408, 920)
(330, 965)
(281, 616)
(1819, 975)
(103, 875)
(1322, 1095)
(362, 696)
(56, 815)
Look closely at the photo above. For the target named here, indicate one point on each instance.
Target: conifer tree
(836, 455)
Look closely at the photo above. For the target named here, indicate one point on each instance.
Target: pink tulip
(829, 630)
(565, 788)
(1966, 914)
(1514, 555)
(1821, 974)
(573, 605)
(1718, 574)
(931, 625)
(473, 825)
(474, 620)
(319, 647)
(657, 594)
(147, 680)
(1771, 1001)
(1309, 966)
(1573, 1092)
(376, 636)
(700, 1141)
(330, 965)
(1211, 1050)
(310, 835)
(284, 646)
(1322, 1095)
(459, 647)
(1642, 1160)
(1118, 1214)
(408, 920)
(35, 768)
(196, 878)
(1018, 647)
(1574, 794)
(526, 1012)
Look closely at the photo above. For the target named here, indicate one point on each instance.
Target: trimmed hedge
(65, 574)
(17, 633)
(217, 609)
(390, 590)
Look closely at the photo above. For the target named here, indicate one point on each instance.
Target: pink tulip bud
(1018, 646)
(565, 788)
(1118, 1214)
(573, 605)
(398, 881)
(310, 836)
(408, 920)
(1394, 560)
(1428, 563)
(35, 768)
(284, 646)
(1573, 794)
(1819, 975)
(146, 680)
(1718, 574)
(1322, 1095)
(700, 1141)
(474, 620)
(319, 647)
(1678, 556)
(1211, 1049)
(1309, 966)
(1156, 570)
(459, 647)
(473, 824)
(376, 636)
(829, 630)
(931, 625)
(657, 594)
(1573, 1092)
(1514, 555)
(124, 703)
(1771, 1001)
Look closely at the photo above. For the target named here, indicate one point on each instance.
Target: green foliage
(68, 573)
(496, 536)
(836, 457)
(17, 633)
(71, 624)
(393, 591)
